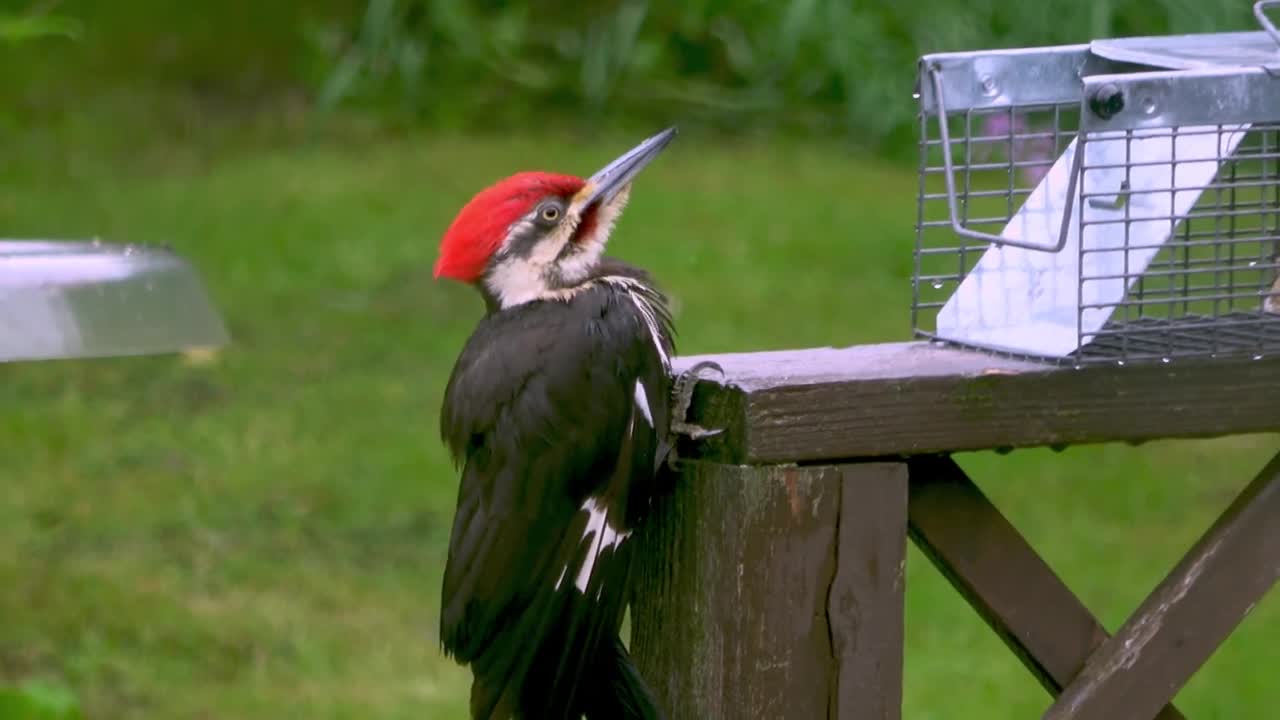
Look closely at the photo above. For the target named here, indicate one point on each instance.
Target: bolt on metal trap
(1113, 201)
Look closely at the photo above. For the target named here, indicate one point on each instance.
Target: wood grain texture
(1000, 575)
(740, 611)
(866, 604)
(897, 399)
(729, 616)
(1179, 626)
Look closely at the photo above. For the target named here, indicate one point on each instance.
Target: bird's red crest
(478, 230)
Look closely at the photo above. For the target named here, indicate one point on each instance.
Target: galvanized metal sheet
(75, 299)
(1184, 52)
(1000, 78)
(1179, 98)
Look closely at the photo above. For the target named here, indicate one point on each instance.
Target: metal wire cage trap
(1113, 201)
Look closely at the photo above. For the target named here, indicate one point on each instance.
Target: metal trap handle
(935, 74)
(1264, 21)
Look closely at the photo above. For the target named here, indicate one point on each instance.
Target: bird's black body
(557, 410)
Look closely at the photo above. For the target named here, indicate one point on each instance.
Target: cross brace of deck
(1135, 673)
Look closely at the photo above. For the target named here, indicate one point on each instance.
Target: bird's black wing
(544, 413)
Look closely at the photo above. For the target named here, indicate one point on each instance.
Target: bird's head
(534, 234)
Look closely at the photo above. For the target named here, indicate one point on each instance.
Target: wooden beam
(1000, 575)
(759, 597)
(897, 399)
(865, 606)
(1188, 616)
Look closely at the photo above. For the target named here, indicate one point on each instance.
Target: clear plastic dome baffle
(80, 299)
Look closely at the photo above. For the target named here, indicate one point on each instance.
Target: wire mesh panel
(1001, 155)
(1078, 210)
(1210, 289)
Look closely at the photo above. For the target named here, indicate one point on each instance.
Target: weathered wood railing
(773, 581)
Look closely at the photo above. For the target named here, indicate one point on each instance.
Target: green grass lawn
(262, 536)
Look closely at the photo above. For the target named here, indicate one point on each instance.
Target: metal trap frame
(1114, 201)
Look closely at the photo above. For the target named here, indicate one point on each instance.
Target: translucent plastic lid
(77, 299)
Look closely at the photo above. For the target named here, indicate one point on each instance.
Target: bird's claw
(682, 394)
(695, 431)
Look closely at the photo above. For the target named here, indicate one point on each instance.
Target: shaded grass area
(263, 535)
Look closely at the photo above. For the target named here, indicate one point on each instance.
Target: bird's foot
(682, 393)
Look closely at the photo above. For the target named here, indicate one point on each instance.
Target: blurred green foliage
(35, 700)
(810, 67)
(813, 65)
(17, 28)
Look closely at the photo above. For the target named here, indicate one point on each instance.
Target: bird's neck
(603, 270)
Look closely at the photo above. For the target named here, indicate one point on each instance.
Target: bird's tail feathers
(617, 690)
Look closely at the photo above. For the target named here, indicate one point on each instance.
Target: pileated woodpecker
(558, 413)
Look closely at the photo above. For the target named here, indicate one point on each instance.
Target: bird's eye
(551, 213)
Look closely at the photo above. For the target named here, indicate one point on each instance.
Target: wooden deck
(773, 581)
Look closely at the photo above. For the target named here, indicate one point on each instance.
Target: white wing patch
(601, 535)
(642, 401)
(605, 536)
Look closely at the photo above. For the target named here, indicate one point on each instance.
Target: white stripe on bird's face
(517, 277)
(575, 268)
(552, 270)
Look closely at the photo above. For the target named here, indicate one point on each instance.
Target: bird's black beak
(605, 184)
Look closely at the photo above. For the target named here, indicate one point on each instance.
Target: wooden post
(776, 592)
